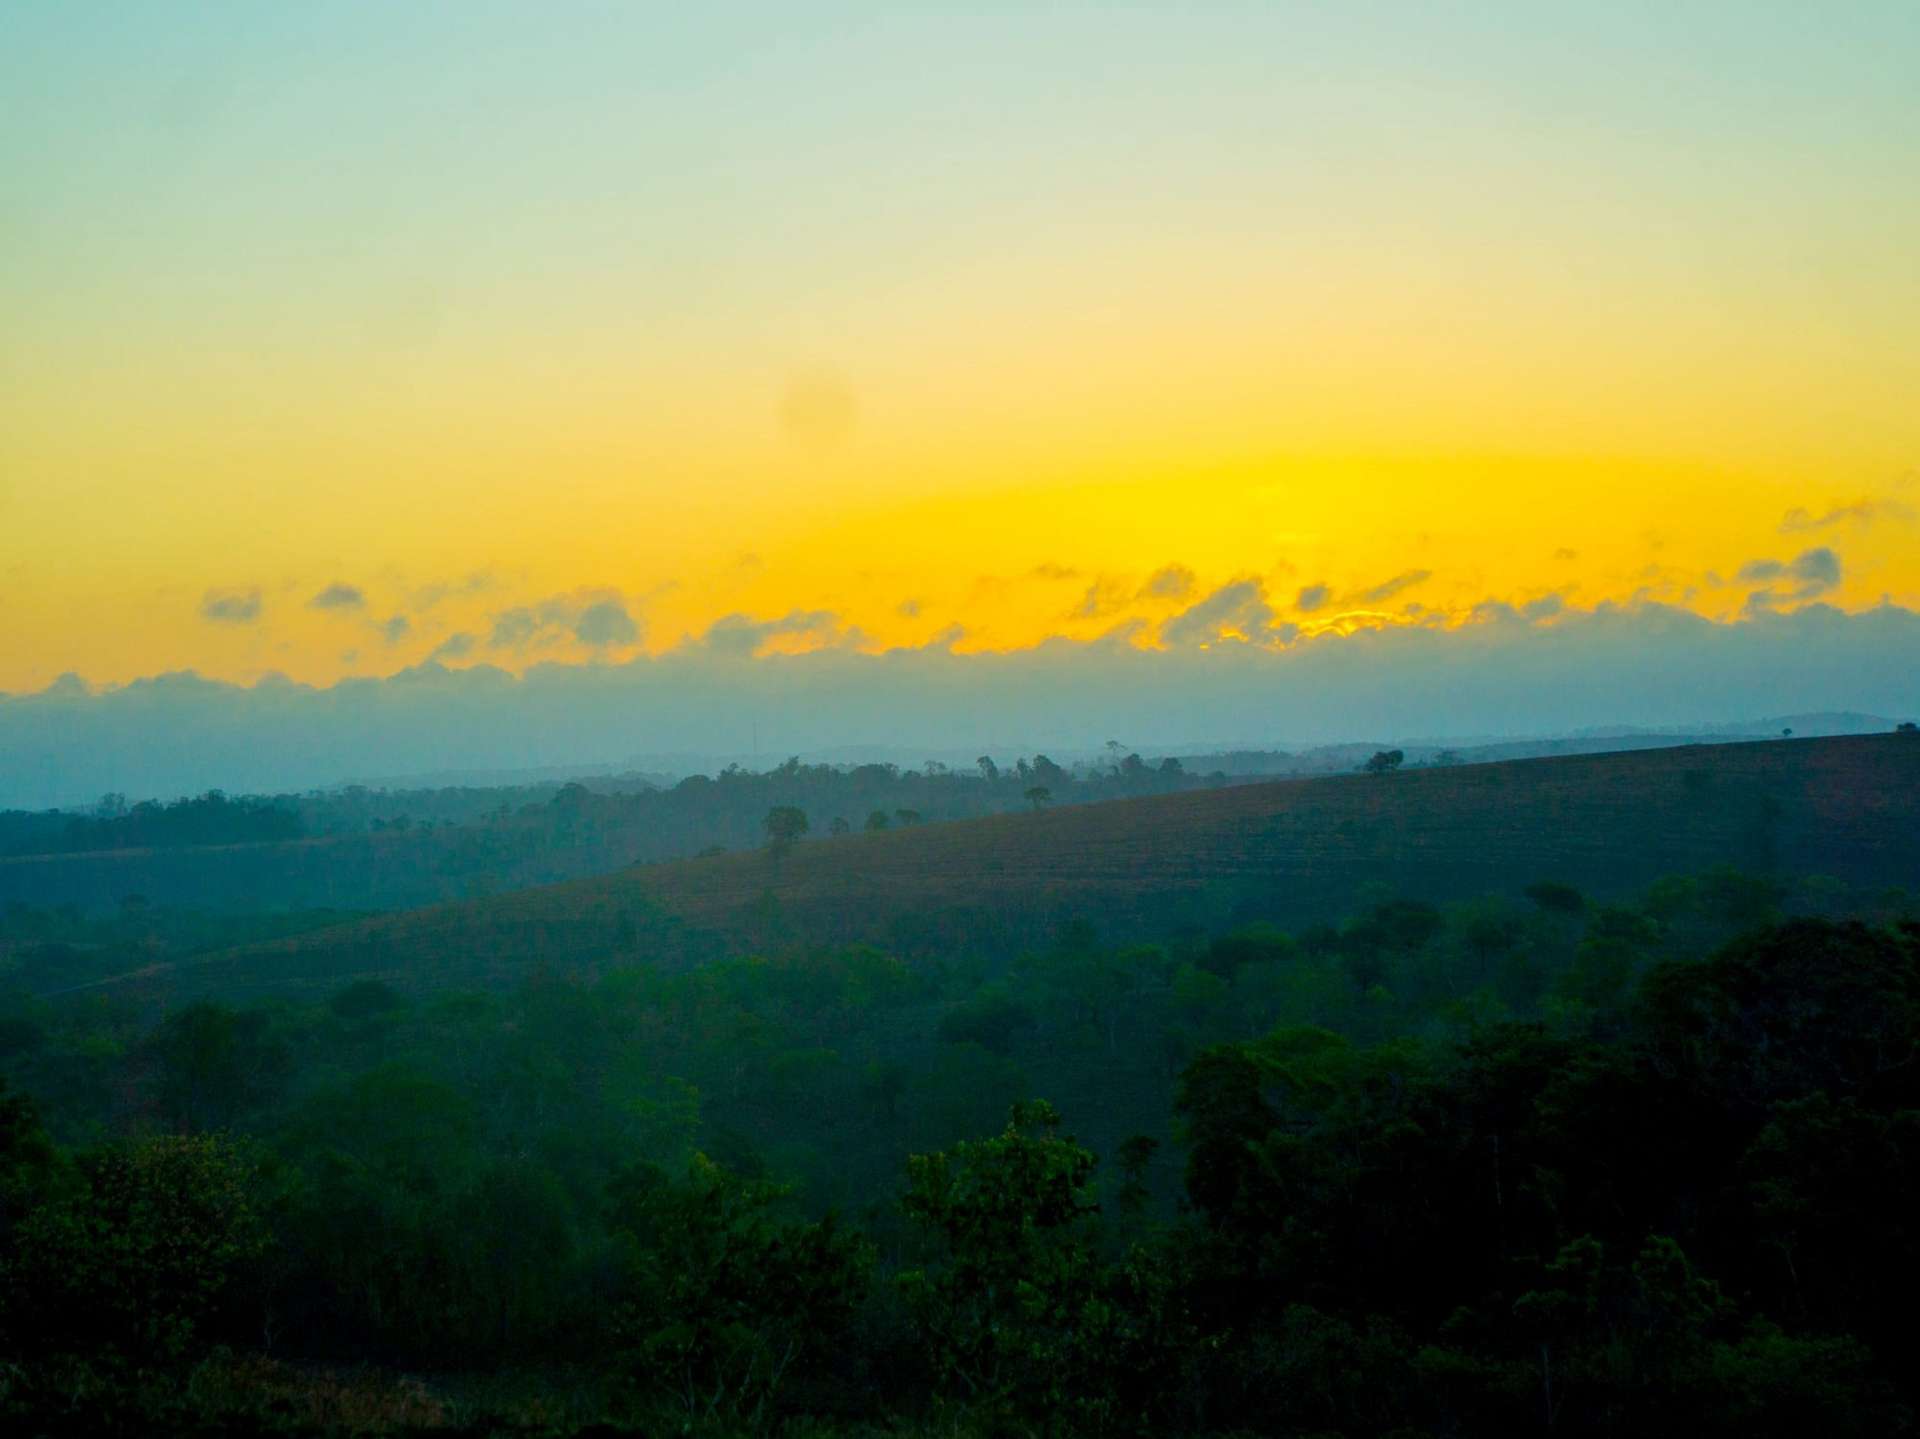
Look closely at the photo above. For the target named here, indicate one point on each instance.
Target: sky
(341, 339)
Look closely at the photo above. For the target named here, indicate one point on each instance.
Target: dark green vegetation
(378, 849)
(1293, 853)
(1524, 1156)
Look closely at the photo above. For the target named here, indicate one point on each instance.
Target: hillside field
(1294, 853)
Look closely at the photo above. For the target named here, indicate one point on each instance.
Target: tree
(1038, 796)
(1005, 1313)
(29, 1164)
(216, 1063)
(839, 826)
(1906, 727)
(719, 1301)
(785, 823)
(989, 771)
(1136, 1153)
(142, 1259)
(1045, 771)
(992, 1019)
(1556, 898)
(1226, 1118)
(878, 820)
(1384, 761)
(907, 816)
(882, 1083)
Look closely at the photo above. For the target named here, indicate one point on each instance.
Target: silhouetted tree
(1556, 898)
(1384, 761)
(1038, 795)
(785, 823)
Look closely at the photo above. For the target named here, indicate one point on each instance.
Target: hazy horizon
(1501, 674)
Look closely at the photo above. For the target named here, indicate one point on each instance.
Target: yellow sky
(937, 348)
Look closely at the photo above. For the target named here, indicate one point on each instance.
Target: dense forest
(1528, 1163)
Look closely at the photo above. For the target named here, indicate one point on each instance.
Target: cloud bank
(1502, 673)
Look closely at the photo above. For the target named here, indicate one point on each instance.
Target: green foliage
(1005, 1316)
(30, 1167)
(718, 1303)
(144, 1257)
(992, 1019)
(1543, 1146)
(217, 1064)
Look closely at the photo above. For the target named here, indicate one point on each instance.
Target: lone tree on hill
(785, 823)
(1038, 795)
(1384, 761)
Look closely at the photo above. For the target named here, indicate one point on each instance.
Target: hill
(1295, 852)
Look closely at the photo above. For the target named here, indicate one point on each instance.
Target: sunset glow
(955, 327)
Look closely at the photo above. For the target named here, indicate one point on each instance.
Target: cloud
(1544, 608)
(1103, 597)
(337, 596)
(598, 619)
(453, 647)
(1649, 665)
(513, 628)
(1652, 665)
(1311, 598)
(1387, 589)
(1811, 573)
(1563, 554)
(479, 582)
(231, 607)
(606, 624)
(947, 638)
(1861, 512)
(1817, 567)
(396, 629)
(1239, 608)
(742, 637)
(1171, 582)
(1051, 571)
(908, 609)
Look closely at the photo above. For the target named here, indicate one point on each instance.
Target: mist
(1501, 674)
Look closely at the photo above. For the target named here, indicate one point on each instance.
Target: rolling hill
(1293, 852)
